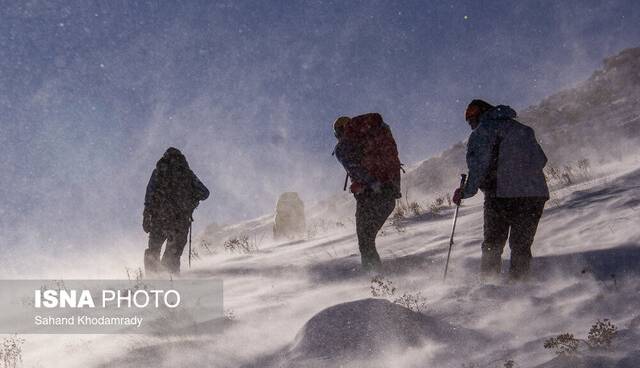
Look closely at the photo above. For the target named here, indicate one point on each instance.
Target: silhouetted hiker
(173, 192)
(368, 152)
(505, 161)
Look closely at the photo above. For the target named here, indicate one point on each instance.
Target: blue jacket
(504, 158)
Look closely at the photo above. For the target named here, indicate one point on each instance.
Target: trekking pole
(190, 227)
(463, 178)
(346, 179)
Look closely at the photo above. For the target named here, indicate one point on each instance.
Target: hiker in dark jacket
(173, 193)
(368, 152)
(506, 162)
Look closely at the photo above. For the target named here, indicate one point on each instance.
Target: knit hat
(339, 125)
(476, 108)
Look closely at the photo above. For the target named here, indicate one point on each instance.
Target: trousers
(372, 210)
(176, 240)
(513, 218)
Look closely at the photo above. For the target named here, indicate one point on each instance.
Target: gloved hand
(457, 196)
(146, 221)
(356, 188)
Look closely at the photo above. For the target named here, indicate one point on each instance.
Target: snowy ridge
(571, 125)
(306, 304)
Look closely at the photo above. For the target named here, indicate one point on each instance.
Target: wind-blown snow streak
(288, 297)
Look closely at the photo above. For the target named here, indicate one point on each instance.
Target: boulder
(367, 328)
(290, 220)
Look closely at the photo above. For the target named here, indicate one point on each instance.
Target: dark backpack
(174, 197)
(377, 149)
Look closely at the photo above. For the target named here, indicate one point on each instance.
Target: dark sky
(92, 93)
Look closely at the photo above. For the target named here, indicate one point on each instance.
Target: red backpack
(377, 146)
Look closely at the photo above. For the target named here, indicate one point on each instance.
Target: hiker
(369, 154)
(173, 192)
(505, 161)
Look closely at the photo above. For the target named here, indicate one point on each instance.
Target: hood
(499, 112)
(172, 157)
(172, 151)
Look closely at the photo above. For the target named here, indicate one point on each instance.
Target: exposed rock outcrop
(290, 220)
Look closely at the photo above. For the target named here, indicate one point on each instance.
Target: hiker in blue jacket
(506, 163)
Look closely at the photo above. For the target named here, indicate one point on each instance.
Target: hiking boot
(516, 275)
(151, 262)
(371, 264)
(171, 264)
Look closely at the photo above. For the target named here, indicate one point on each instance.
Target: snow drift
(369, 328)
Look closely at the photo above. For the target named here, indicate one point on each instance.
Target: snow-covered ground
(307, 304)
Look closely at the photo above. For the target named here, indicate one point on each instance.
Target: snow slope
(306, 304)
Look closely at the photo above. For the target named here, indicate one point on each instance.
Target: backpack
(376, 146)
(174, 198)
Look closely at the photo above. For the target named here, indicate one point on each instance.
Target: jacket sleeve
(151, 188)
(539, 151)
(479, 150)
(348, 157)
(200, 190)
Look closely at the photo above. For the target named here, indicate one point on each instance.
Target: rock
(367, 328)
(290, 220)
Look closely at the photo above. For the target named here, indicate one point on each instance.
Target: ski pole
(190, 227)
(346, 179)
(463, 179)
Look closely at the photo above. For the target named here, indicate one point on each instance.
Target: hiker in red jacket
(369, 154)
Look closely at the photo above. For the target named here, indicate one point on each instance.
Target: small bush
(57, 285)
(437, 205)
(415, 208)
(207, 247)
(229, 315)
(384, 288)
(602, 334)
(381, 287)
(584, 166)
(509, 364)
(11, 351)
(551, 174)
(136, 276)
(568, 177)
(414, 302)
(195, 255)
(240, 244)
(398, 219)
(568, 174)
(564, 344)
(448, 199)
